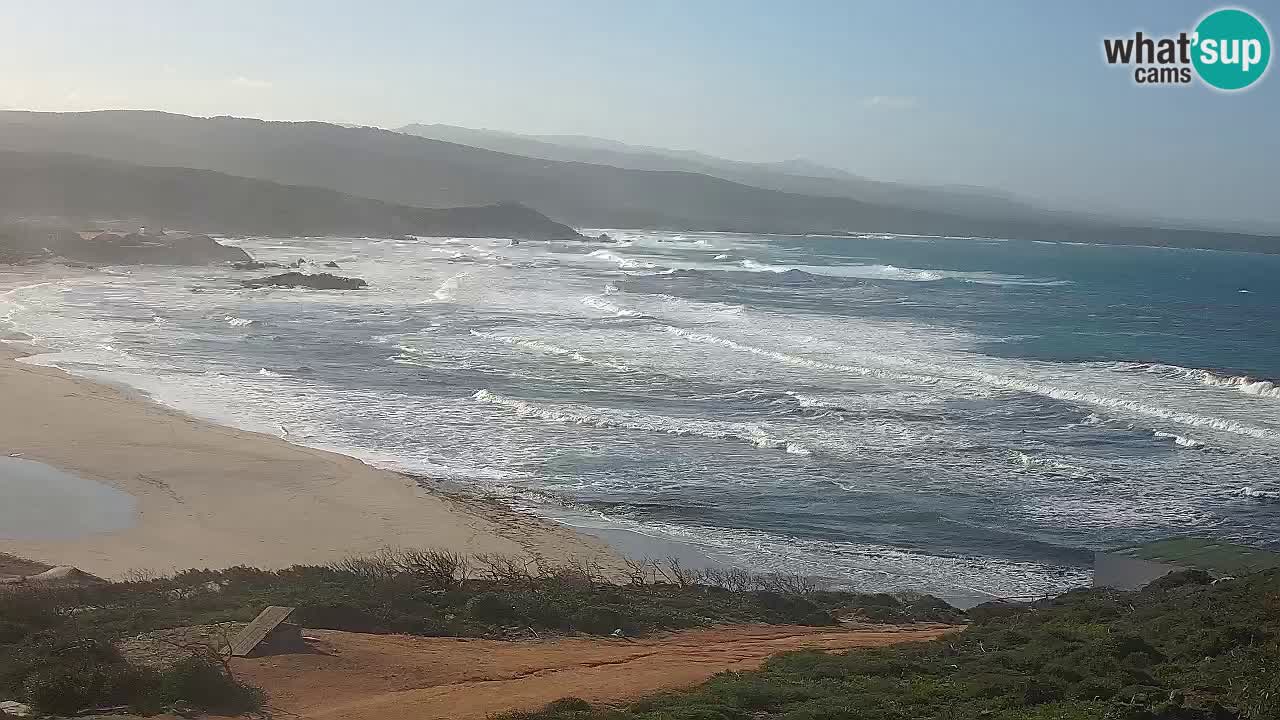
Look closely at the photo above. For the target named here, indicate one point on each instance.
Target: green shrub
(1178, 651)
(597, 620)
(204, 684)
(67, 689)
(339, 617)
(491, 607)
(568, 705)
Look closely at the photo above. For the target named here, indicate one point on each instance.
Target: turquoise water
(962, 416)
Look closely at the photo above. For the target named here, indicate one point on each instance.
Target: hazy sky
(1010, 95)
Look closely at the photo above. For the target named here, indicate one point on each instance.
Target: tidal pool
(39, 502)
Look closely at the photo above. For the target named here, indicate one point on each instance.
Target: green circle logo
(1232, 49)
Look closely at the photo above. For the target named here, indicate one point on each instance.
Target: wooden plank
(254, 632)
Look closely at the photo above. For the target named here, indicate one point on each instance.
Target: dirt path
(390, 677)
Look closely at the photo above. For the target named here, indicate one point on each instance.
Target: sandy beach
(213, 496)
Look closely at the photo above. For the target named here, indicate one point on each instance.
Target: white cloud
(892, 102)
(251, 83)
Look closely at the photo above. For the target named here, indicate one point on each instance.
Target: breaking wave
(1242, 383)
(800, 361)
(870, 272)
(603, 305)
(1051, 465)
(548, 349)
(1264, 495)
(608, 418)
(993, 380)
(445, 292)
(621, 262)
(1179, 440)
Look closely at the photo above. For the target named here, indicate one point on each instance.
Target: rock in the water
(331, 264)
(254, 265)
(160, 249)
(320, 281)
(32, 243)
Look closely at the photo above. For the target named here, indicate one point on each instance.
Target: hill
(793, 176)
(94, 190)
(406, 170)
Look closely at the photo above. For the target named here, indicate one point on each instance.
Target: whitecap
(751, 433)
(1179, 440)
(1256, 494)
(622, 262)
(606, 306)
(1242, 383)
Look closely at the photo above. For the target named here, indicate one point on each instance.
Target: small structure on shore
(268, 634)
(1130, 568)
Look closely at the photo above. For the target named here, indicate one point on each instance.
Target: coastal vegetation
(72, 190)
(1183, 648)
(59, 646)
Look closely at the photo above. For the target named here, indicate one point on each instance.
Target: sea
(968, 417)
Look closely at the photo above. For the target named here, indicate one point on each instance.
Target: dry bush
(499, 568)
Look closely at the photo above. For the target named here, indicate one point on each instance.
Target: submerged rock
(321, 281)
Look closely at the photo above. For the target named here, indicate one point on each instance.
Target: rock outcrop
(320, 281)
(33, 243)
(254, 265)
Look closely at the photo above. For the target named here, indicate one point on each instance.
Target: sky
(1013, 96)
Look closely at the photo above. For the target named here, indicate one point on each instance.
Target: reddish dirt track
(395, 677)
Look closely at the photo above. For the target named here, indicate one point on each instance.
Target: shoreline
(212, 496)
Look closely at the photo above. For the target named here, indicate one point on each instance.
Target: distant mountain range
(58, 186)
(805, 177)
(647, 189)
(792, 176)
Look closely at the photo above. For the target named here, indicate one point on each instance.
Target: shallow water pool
(39, 502)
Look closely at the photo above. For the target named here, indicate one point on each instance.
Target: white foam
(1257, 494)
(867, 567)
(752, 433)
(892, 272)
(445, 292)
(798, 360)
(622, 262)
(237, 321)
(1179, 440)
(548, 349)
(1241, 383)
(603, 305)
